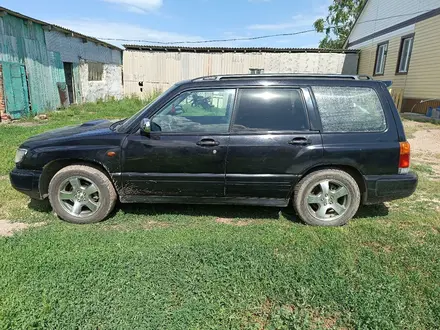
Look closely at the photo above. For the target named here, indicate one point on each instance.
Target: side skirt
(205, 200)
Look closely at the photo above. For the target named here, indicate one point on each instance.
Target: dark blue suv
(322, 143)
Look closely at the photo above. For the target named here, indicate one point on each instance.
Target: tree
(338, 23)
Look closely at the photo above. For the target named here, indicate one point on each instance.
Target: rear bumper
(382, 188)
(26, 182)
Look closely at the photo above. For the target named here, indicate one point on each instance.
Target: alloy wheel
(328, 200)
(79, 196)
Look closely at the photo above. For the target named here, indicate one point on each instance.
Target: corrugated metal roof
(156, 48)
(57, 27)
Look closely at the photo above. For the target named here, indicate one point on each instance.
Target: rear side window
(270, 109)
(349, 109)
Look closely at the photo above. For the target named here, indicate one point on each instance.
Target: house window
(256, 71)
(406, 46)
(381, 56)
(95, 71)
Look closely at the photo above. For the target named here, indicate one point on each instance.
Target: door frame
(314, 129)
(25, 89)
(71, 87)
(170, 135)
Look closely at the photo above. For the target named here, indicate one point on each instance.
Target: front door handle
(208, 143)
(300, 141)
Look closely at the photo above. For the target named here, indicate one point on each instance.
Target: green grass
(202, 267)
(423, 168)
(12, 135)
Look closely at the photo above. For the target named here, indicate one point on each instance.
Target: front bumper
(382, 188)
(27, 182)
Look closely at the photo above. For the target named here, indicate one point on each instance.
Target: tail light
(404, 159)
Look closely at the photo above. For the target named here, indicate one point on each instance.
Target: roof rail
(283, 75)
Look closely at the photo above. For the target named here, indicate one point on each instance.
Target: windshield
(138, 115)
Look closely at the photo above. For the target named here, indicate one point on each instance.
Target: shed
(44, 66)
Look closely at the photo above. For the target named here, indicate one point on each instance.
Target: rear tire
(82, 194)
(327, 198)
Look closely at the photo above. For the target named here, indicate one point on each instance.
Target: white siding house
(399, 41)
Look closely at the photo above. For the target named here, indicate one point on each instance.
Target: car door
(185, 153)
(271, 142)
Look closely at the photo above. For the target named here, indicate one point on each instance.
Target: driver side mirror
(146, 126)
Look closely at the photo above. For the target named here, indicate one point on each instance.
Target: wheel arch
(353, 171)
(53, 167)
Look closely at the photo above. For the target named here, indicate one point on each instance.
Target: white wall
(76, 51)
(381, 14)
(110, 86)
(160, 70)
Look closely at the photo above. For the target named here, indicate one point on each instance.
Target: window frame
(383, 104)
(205, 89)
(88, 71)
(304, 94)
(399, 58)
(385, 55)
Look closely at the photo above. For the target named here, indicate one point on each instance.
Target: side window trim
(192, 89)
(305, 98)
(381, 46)
(312, 110)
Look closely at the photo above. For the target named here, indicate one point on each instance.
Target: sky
(183, 20)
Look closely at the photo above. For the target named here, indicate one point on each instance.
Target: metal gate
(16, 91)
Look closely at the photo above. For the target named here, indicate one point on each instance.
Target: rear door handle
(300, 141)
(208, 143)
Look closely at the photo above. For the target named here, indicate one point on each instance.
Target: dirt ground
(8, 228)
(425, 143)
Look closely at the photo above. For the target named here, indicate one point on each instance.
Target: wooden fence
(397, 95)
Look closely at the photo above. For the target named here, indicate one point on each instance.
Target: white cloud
(135, 10)
(104, 29)
(138, 6)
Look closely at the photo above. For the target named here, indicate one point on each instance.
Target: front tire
(327, 198)
(81, 194)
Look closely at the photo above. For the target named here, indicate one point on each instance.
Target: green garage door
(15, 89)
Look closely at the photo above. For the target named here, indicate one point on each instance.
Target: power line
(253, 38)
(212, 40)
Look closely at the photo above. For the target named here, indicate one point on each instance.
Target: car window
(270, 109)
(127, 124)
(349, 109)
(196, 111)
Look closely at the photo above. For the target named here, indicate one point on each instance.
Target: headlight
(20, 155)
